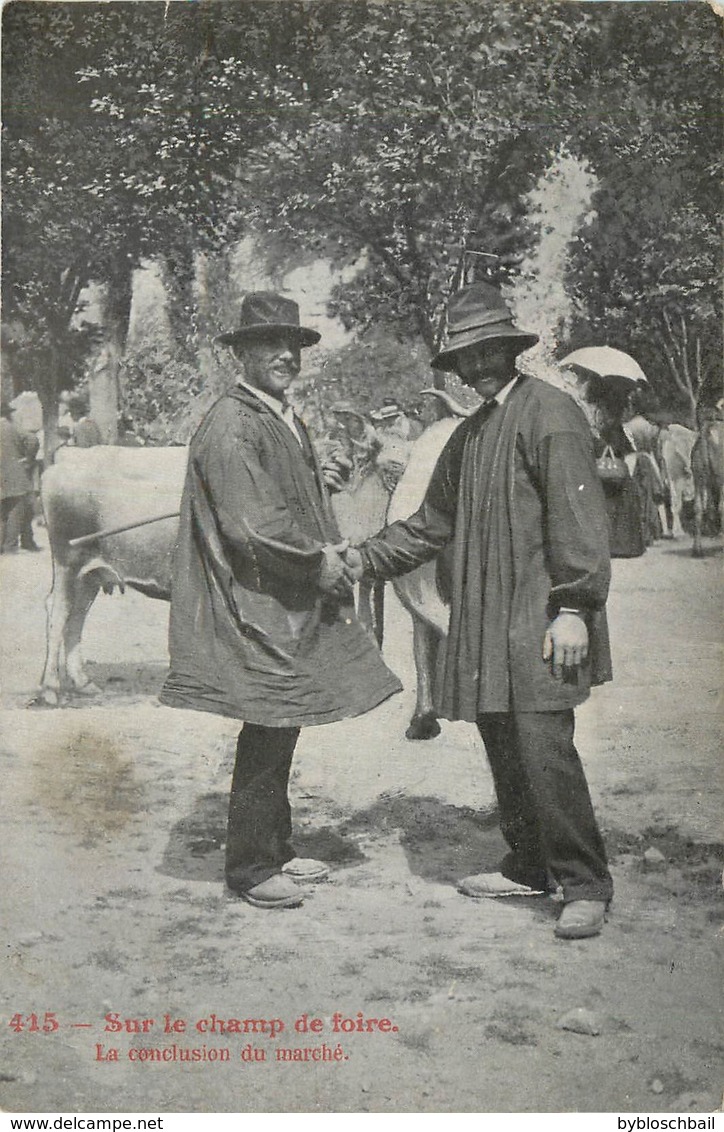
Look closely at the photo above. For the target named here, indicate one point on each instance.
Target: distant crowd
(625, 421)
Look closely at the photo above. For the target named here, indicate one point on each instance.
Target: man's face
(271, 362)
(486, 366)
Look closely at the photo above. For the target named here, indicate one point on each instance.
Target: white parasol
(606, 362)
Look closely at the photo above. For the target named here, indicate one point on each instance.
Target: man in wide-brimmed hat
(392, 418)
(516, 497)
(262, 621)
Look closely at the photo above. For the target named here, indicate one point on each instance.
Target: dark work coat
(16, 448)
(251, 636)
(517, 496)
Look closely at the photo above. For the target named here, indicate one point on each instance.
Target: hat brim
(307, 337)
(446, 359)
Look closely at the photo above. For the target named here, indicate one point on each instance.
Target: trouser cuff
(603, 892)
(241, 878)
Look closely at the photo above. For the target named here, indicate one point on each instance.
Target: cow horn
(454, 408)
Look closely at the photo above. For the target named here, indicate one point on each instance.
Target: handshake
(341, 568)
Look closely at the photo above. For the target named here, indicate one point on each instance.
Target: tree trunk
(48, 394)
(104, 375)
(213, 285)
(178, 277)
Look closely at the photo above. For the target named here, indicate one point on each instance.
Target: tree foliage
(400, 136)
(646, 273)
(416, 139)
(124, 128)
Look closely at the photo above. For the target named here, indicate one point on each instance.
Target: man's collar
(279, 407)
(503, 393)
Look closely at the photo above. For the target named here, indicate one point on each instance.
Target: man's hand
(336, 471)
(333, 573)
(566, 643)
(353, 562)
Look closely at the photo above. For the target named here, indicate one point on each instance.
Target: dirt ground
(113, 898)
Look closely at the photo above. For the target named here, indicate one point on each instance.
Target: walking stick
(108, 531)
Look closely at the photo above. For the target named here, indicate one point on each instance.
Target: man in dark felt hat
(516, 499)
(262, 619)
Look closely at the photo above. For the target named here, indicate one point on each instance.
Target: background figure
(611, 399)
(391, 418)
(352, 435)
(18, 450)
(649, 473)
(74, 425)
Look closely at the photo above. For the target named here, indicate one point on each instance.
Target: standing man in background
(18, 451)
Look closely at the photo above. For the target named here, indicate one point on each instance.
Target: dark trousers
(258, 837)
(546, 815)
(11, 523)
(27, 536)
(16, 522)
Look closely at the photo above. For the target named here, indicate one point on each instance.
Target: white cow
(89, 490)
(674, 448)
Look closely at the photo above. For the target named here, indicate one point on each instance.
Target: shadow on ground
(195, 848)
(127, 678)
(441, 842)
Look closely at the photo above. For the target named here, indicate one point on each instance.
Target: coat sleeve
(251, 512)
(406, 544)
(576, 527)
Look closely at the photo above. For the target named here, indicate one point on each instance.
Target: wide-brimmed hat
(388, 410)
(262, 311)
(478, 313)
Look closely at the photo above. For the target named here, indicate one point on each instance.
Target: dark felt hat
(478, 313)
(262, 311)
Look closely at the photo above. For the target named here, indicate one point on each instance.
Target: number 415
(33, 1023)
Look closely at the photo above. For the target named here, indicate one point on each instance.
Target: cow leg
(364, 604)
(666, 516)
(686, 490)
(371, 608)
(85, 591)
(425, 643)
(697, 549)
(677, 502)
(666, 511)
(58, 606)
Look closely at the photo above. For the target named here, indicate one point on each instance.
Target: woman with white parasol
(610, 379)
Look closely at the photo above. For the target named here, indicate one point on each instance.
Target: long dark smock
(516, 495)
(251, 636)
